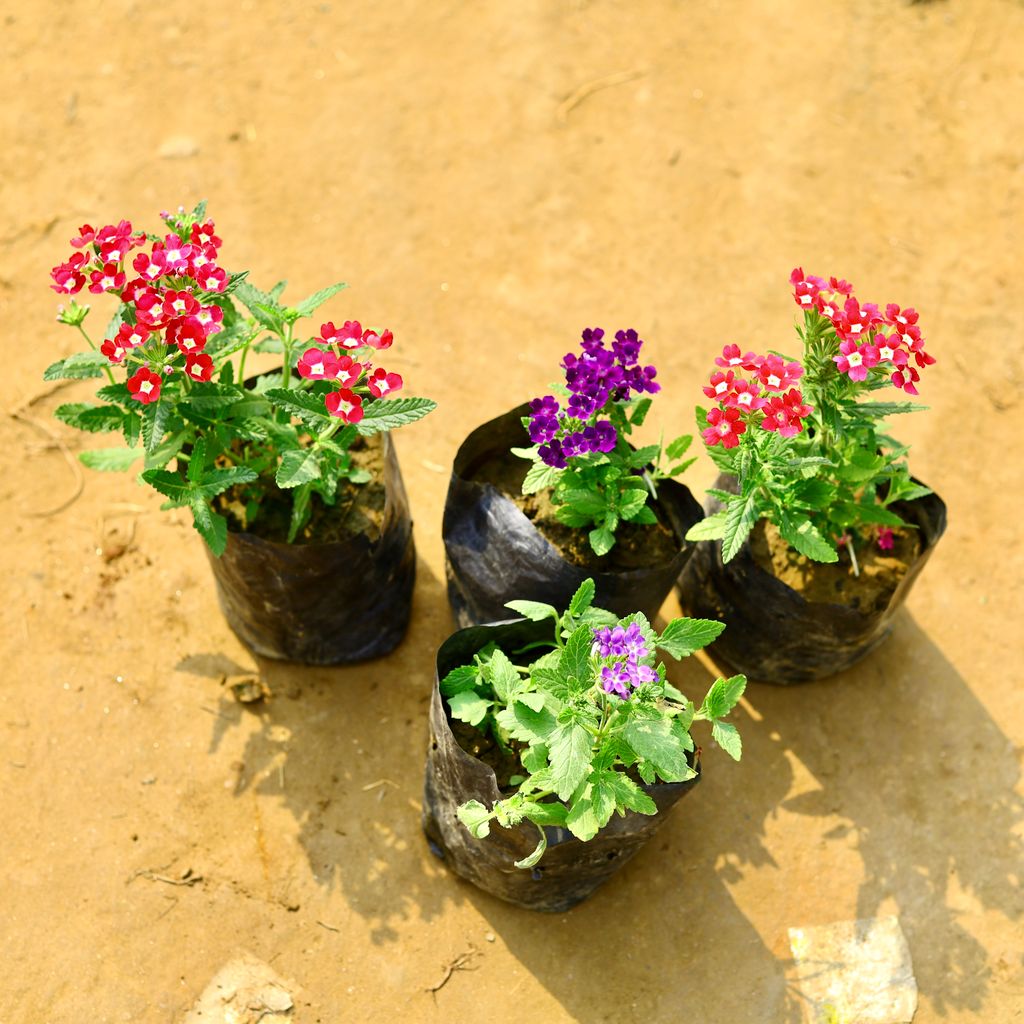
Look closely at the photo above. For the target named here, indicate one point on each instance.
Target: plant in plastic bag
(582, 451)
(591, 718)
(174, 357)
(807, 450)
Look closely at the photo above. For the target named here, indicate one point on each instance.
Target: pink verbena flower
(777, 375)
(785, 413)
(114, 350)
(731, 359)
(350, 335)
(348, 371)
(108, 279)
(381, 383)
(885, 541)
(132, 335)
(855, 322)
(199, 366)
(806, 288)
(745, 395)
(855, 360)
(725, 427)
(890, 349)
(906, 378)
(377, 340)
(316, 364)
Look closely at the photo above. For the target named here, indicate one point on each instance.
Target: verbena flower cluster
(625, 651)
(741, 400)
(594, 377)
(869, 340)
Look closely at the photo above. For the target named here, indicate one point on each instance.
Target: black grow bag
(773, 634)
(570, 870)
(323, 604)
(494, 554)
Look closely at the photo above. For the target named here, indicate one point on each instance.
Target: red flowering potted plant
(553, 492)
(562, 730)
(291, 476)
(815, 529)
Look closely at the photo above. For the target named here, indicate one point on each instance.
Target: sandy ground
(446, 160)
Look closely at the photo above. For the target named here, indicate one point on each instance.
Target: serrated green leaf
(96, 419)
(535, 611)
(207, 396)
(569, 753)
(309, 306)
(682, 637)
(582, 599)
(587, 502)
(476, 818)
(726, 735)
(602, 540)
(535, 758)
(468, 706)
(298, 466)
(574, 661)
(682, 467)
(118, 394)
(170, 485)
(622, 792)
(678, 448)
(391, 413)
(643, 456)
(654, 740)
(539, 476)
(546, 813)
(503, 677)
(709, 528)
(582, 820)
(155, 417)
(643, 516)
(77, 366)
(112, 460)
(216, 481)
(304, 404)
(213, 528)
(803, 535)
(301, 504)
(572, 516)
(740, 516)
(459, 680)
(631, 501)
(639, 413)
(722, 696)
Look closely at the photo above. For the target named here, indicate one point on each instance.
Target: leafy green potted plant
(815, 529)
(557, 744)
(291, 476)
(553, 492)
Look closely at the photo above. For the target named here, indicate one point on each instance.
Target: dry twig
(460, 963)
(589, 88)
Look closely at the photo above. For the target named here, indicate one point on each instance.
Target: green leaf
(682, 467)
(539, 476)
(654, 740)
(803, 535)
(589, 503)
(77, 366)
(643, 456)
(305, 404)
(535, 611)
(571, 516)
(154, 423)
(710, 528)
(459, 680)
(623, 792)
(727, 737)
(391, 413)
(582, 820)
(868, 513)
(880, 410)
(309, 306)
(216, 481)
(639, 414)
(258, 303)
(213, 528)
(631, 500)
(170, 485)
(740, 517)
(643, 515)
(118, 394)
(722, 696)
(502, 676)
(569, 752)
(97, 419)
(602, 540)
(525, 723)
(574, 662)
(582, 599)
(546, 813)
(301, 500)
(542, 845)
(167, 451)
(684, 636)
(207, 396)
(678, 448)
(476, 818)
(535, 758)
(113, 460)
(468, 706)
(298, 466)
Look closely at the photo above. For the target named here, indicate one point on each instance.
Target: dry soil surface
(491, 178)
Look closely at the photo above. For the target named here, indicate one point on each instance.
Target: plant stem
(288, 342)
(81, 330)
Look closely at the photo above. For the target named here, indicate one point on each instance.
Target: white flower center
(885, 352)
(856, 328)
(773, 381)
(317, 368)
(719, 387)
(724, 428)
(745, 398)
(855, 359)
(145, 387)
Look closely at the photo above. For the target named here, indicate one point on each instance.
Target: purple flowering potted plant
(561, 729)
(553, 492)
(815, 528)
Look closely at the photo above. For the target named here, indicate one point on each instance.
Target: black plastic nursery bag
(494, 554)
(773, 633)
(570, 870)
(323, 604)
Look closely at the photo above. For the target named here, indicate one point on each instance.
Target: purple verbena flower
(544, 422)
(551, 454)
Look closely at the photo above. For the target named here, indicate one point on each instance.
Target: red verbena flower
(203, 234)
(382, 383)
(132, 335)
(199, 366)
(144, 386)
(348, 371)
(381, 341)
(149, 307)
(316, 364)
(841, 287)
(855, 360)
(211, 318)
(725, 428)
(855, 322)
(68, 280)
(345, 404)
(187, 334)
(150, 265)
(177, 253)
(212, 279)
(885, 542)
(86, 234)
(720, 385)
(114, 350)
(785, 413)
(890, 349)
(348, 336)
(109, 279)
(777, 375)
(181, 303)
(905, 378)
(806, 288)
(731, 358)
(745, 396)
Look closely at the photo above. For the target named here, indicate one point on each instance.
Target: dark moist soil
(835, 582)
(482, 746)
(636, 546)
(358, 508)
